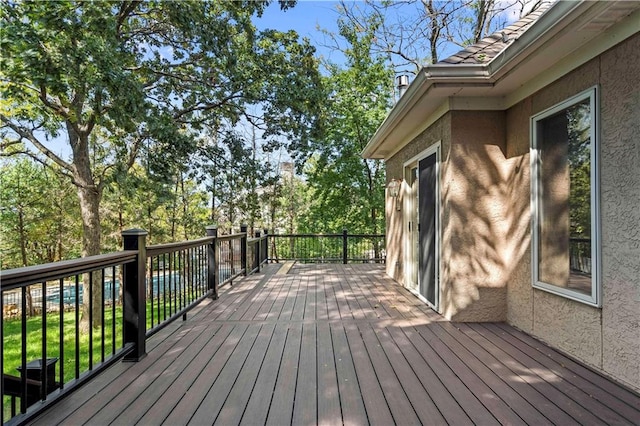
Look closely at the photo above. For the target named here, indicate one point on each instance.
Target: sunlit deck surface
(342, 344)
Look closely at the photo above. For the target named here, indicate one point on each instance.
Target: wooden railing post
(135, 294)
(212, 263)
(243, 249)
(344, 246)
(258, 249)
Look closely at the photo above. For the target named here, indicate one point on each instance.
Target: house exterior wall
(440, 131)
(486, 266)
(609, 337)
(620, 183)
(475, 241)
(473, 188)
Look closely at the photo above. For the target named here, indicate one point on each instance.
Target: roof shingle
(489, 47)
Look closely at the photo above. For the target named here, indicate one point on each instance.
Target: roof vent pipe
(402, 81)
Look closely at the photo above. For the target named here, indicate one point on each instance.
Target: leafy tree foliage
(37, 220)
(348, 191)
(121, 79)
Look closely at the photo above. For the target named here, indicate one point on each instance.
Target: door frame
(410, 203)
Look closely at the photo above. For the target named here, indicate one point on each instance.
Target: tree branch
(28, 135)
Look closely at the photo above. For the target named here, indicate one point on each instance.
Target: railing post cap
(134, 232)
(211, 227)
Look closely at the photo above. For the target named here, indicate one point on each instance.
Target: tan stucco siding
(476, 246)
(620, 192)
(486, 270)
(520, 292)
(564, 323)
(607, 338)
(440, 131)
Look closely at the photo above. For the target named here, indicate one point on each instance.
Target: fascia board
(605, 41)
(458, 76)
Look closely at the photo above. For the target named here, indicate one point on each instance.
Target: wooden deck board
(341, 344)
(230, 410)
(281, 409)
(328, 396)
(375, 403)
(352, 405)
(558, 391)
(257, 407)
(305, 405)
(609, 401)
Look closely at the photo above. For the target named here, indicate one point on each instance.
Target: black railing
(257, 251)
(129, 296)
(176, 280)
(328, 248)
(64, 322)
(48, 327)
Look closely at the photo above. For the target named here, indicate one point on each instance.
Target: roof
(489, 47)
(500, 71)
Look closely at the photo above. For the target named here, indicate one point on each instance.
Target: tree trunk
(89, 195)
(91, 235)
(23, 252)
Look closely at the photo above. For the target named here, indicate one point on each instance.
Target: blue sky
(306, 18)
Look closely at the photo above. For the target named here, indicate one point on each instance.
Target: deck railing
(53, 342)
(257, 251)
(48, 345)
(50, 329)
(328, 248)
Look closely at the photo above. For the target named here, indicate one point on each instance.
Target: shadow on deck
(341, 344)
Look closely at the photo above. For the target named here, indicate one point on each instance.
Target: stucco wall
(620, 192)
(476, 243)
(486, 232)
(519, 290)
(440, 131)
(607, 338)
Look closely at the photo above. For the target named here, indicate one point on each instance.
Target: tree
(37, 213)
(348, 191)
(414, 33)
(121, 78)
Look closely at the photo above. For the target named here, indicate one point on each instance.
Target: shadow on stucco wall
(485, 215)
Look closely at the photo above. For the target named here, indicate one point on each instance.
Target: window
(565, 202)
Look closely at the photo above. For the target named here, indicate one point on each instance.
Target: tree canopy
(135, 81)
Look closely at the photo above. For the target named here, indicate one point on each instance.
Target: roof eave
(458, 75)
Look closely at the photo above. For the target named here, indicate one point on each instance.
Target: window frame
(595, 298)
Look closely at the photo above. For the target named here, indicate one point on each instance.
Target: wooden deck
(342, 344)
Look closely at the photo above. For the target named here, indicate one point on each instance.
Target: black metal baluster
(113, 311)
(23, 371)
(91, 320)
(102, 315)
(171, 277)
(2, 356)
(61, 342)
(151, 292)
(43, 362)
(77, 342)
(164, 287)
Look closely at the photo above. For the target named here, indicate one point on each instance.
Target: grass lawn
(12, 344)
